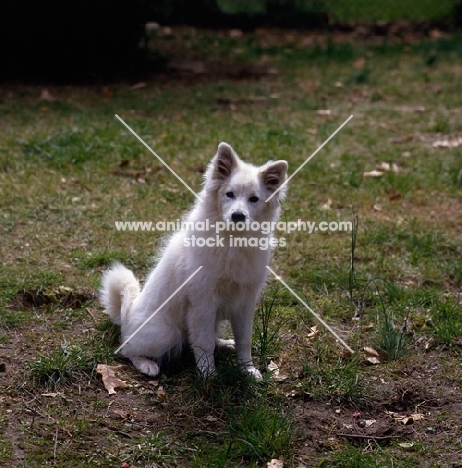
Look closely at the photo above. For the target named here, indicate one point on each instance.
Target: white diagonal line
(311, 310)
(161, 160)
(301, 167)
(155, 312)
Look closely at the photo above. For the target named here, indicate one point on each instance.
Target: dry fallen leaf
(110, 380)
(417, 416)
(276, 463)
(369, 422)
(274, 369)
(372, 356)
(406, 419)
(139, 85)
(314, 332)
(374, 173)
(406, 444)
(327, 205)
(430, 344)
(386, 166)
(381, 169)
(122, 413)
(162, 394)
(324, 112)
(393, 195)
(454, 143)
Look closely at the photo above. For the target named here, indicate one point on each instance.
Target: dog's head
(242, 190)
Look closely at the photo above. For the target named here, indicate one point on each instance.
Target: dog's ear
(274, 174)
(224, 162)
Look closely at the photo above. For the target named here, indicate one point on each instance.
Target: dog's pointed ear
(274, 174)
(224, 162)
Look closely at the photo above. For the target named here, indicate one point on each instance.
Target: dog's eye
(253, 199)
(230, 194)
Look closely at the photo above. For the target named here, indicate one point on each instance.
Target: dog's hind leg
(226, 344)
(155, 340)
(145, 365)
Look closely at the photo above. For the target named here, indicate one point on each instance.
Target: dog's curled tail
(119, 289)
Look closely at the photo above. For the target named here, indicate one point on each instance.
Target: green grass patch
(339, 382)
(68, 363)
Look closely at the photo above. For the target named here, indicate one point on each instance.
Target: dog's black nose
(238, 217)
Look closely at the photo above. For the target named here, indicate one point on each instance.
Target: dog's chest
(240, 267)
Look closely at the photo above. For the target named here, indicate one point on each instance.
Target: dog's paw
(146, 366)
(255, 373)
(226, 344)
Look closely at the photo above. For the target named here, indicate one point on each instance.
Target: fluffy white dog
(225, 288)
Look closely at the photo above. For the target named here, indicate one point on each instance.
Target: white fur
(227, 286)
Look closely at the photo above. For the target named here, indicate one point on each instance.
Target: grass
(267, 328)
(390, 337)
(337, 382)
(68, 363)
(69, 170)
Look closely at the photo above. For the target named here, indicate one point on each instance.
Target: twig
(124, 434)
(56, 442)
(91, 315)
(367, 437)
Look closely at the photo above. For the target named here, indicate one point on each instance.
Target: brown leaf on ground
(122, 413)
(374, 173)
(406, 419)
(313, 333)
(393, 195)
(381, 169)
(386, 167)
(447, 143)
(327, 205)
(110, 380)
(372, 356)
(162, 394)
(276, 463)
(274, 369)
(139, 85)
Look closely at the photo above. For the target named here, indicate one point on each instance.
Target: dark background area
(71, 41)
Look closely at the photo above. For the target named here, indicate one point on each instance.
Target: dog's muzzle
(238, 217)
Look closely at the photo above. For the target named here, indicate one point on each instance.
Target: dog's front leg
(241, 323)
(201, 332)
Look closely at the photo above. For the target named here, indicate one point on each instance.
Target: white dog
(225, 288)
